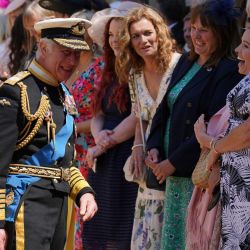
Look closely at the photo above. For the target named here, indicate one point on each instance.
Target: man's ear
(43, 47)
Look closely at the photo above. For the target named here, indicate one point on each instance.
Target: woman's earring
(93, 47)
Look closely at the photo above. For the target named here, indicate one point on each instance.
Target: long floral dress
(82, 91)
(148, 217)
(235, 176)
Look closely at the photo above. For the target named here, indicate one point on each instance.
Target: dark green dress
(178, 189)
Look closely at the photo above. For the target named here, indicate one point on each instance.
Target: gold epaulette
(28, 132)
(17, 77)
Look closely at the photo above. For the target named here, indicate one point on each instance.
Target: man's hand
(3, 239)
(88, 206)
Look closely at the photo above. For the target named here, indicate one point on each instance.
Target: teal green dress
(178, 189)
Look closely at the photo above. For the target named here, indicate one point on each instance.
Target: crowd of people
(106, 112)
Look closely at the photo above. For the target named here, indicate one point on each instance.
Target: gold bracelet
(211, 143)
(213, 147)
(137, 145)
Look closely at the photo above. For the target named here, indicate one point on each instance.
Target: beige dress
(148, 217)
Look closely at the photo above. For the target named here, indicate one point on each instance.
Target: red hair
(120, 91)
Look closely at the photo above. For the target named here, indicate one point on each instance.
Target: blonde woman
(148, 57)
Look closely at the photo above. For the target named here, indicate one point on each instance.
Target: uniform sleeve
(9, 99)
(78, 185)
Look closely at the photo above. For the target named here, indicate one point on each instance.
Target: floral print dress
(82, 91)
(149, 207)
(235, 176)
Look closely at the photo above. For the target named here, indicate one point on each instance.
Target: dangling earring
(93, 47)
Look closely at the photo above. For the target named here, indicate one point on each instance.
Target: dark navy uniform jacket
(13, 121)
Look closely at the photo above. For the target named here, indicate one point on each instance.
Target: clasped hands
(161, 169)
(104, 141)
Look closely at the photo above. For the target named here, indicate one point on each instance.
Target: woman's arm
(237, 139)
(137, 150)
(83, 127)
(96, 124)
(101, 136)
(125, 130)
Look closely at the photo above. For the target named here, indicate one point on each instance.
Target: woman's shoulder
(228, 64)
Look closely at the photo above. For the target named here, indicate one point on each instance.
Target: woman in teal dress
(199, 85)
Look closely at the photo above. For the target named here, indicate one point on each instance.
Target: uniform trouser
(41, 221)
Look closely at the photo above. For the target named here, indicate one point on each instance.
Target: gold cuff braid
(77, 182)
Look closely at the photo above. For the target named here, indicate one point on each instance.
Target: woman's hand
(93, 153)
(103, 136)
(161, 170)
(153, 155)
(104, 139)
(137, 158)
(200, 130)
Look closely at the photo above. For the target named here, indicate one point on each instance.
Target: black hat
(67, 32)
(65, 6)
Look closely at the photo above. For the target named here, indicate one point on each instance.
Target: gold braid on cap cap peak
(72, 43)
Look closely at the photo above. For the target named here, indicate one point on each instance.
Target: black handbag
(152, 182)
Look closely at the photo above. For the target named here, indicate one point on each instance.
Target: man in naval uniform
(37, 172)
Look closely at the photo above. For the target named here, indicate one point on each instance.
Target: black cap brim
(64, 6)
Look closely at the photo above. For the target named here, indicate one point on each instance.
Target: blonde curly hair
(128, 59)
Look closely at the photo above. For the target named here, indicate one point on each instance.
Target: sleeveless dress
(235, 176)
(111, 227)
(148, 217)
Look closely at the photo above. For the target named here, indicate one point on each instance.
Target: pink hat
(101, 18)
(15, 4)
(4, 3)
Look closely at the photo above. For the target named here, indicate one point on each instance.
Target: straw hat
(101, 18)
(67, 32)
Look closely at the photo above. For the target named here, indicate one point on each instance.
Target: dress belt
(62, 174)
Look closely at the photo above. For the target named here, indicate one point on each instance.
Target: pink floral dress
(82, 91)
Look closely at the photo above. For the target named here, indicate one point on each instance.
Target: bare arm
(83, 127)
(237, 139)
(97, 124)
(125, 130)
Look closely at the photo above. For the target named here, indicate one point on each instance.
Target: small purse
(129, 176)
(201, 174)
(152, 182)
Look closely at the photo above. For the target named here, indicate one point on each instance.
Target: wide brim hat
(101, 18)
(65, 6)
(67, 32)
(14, 5)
